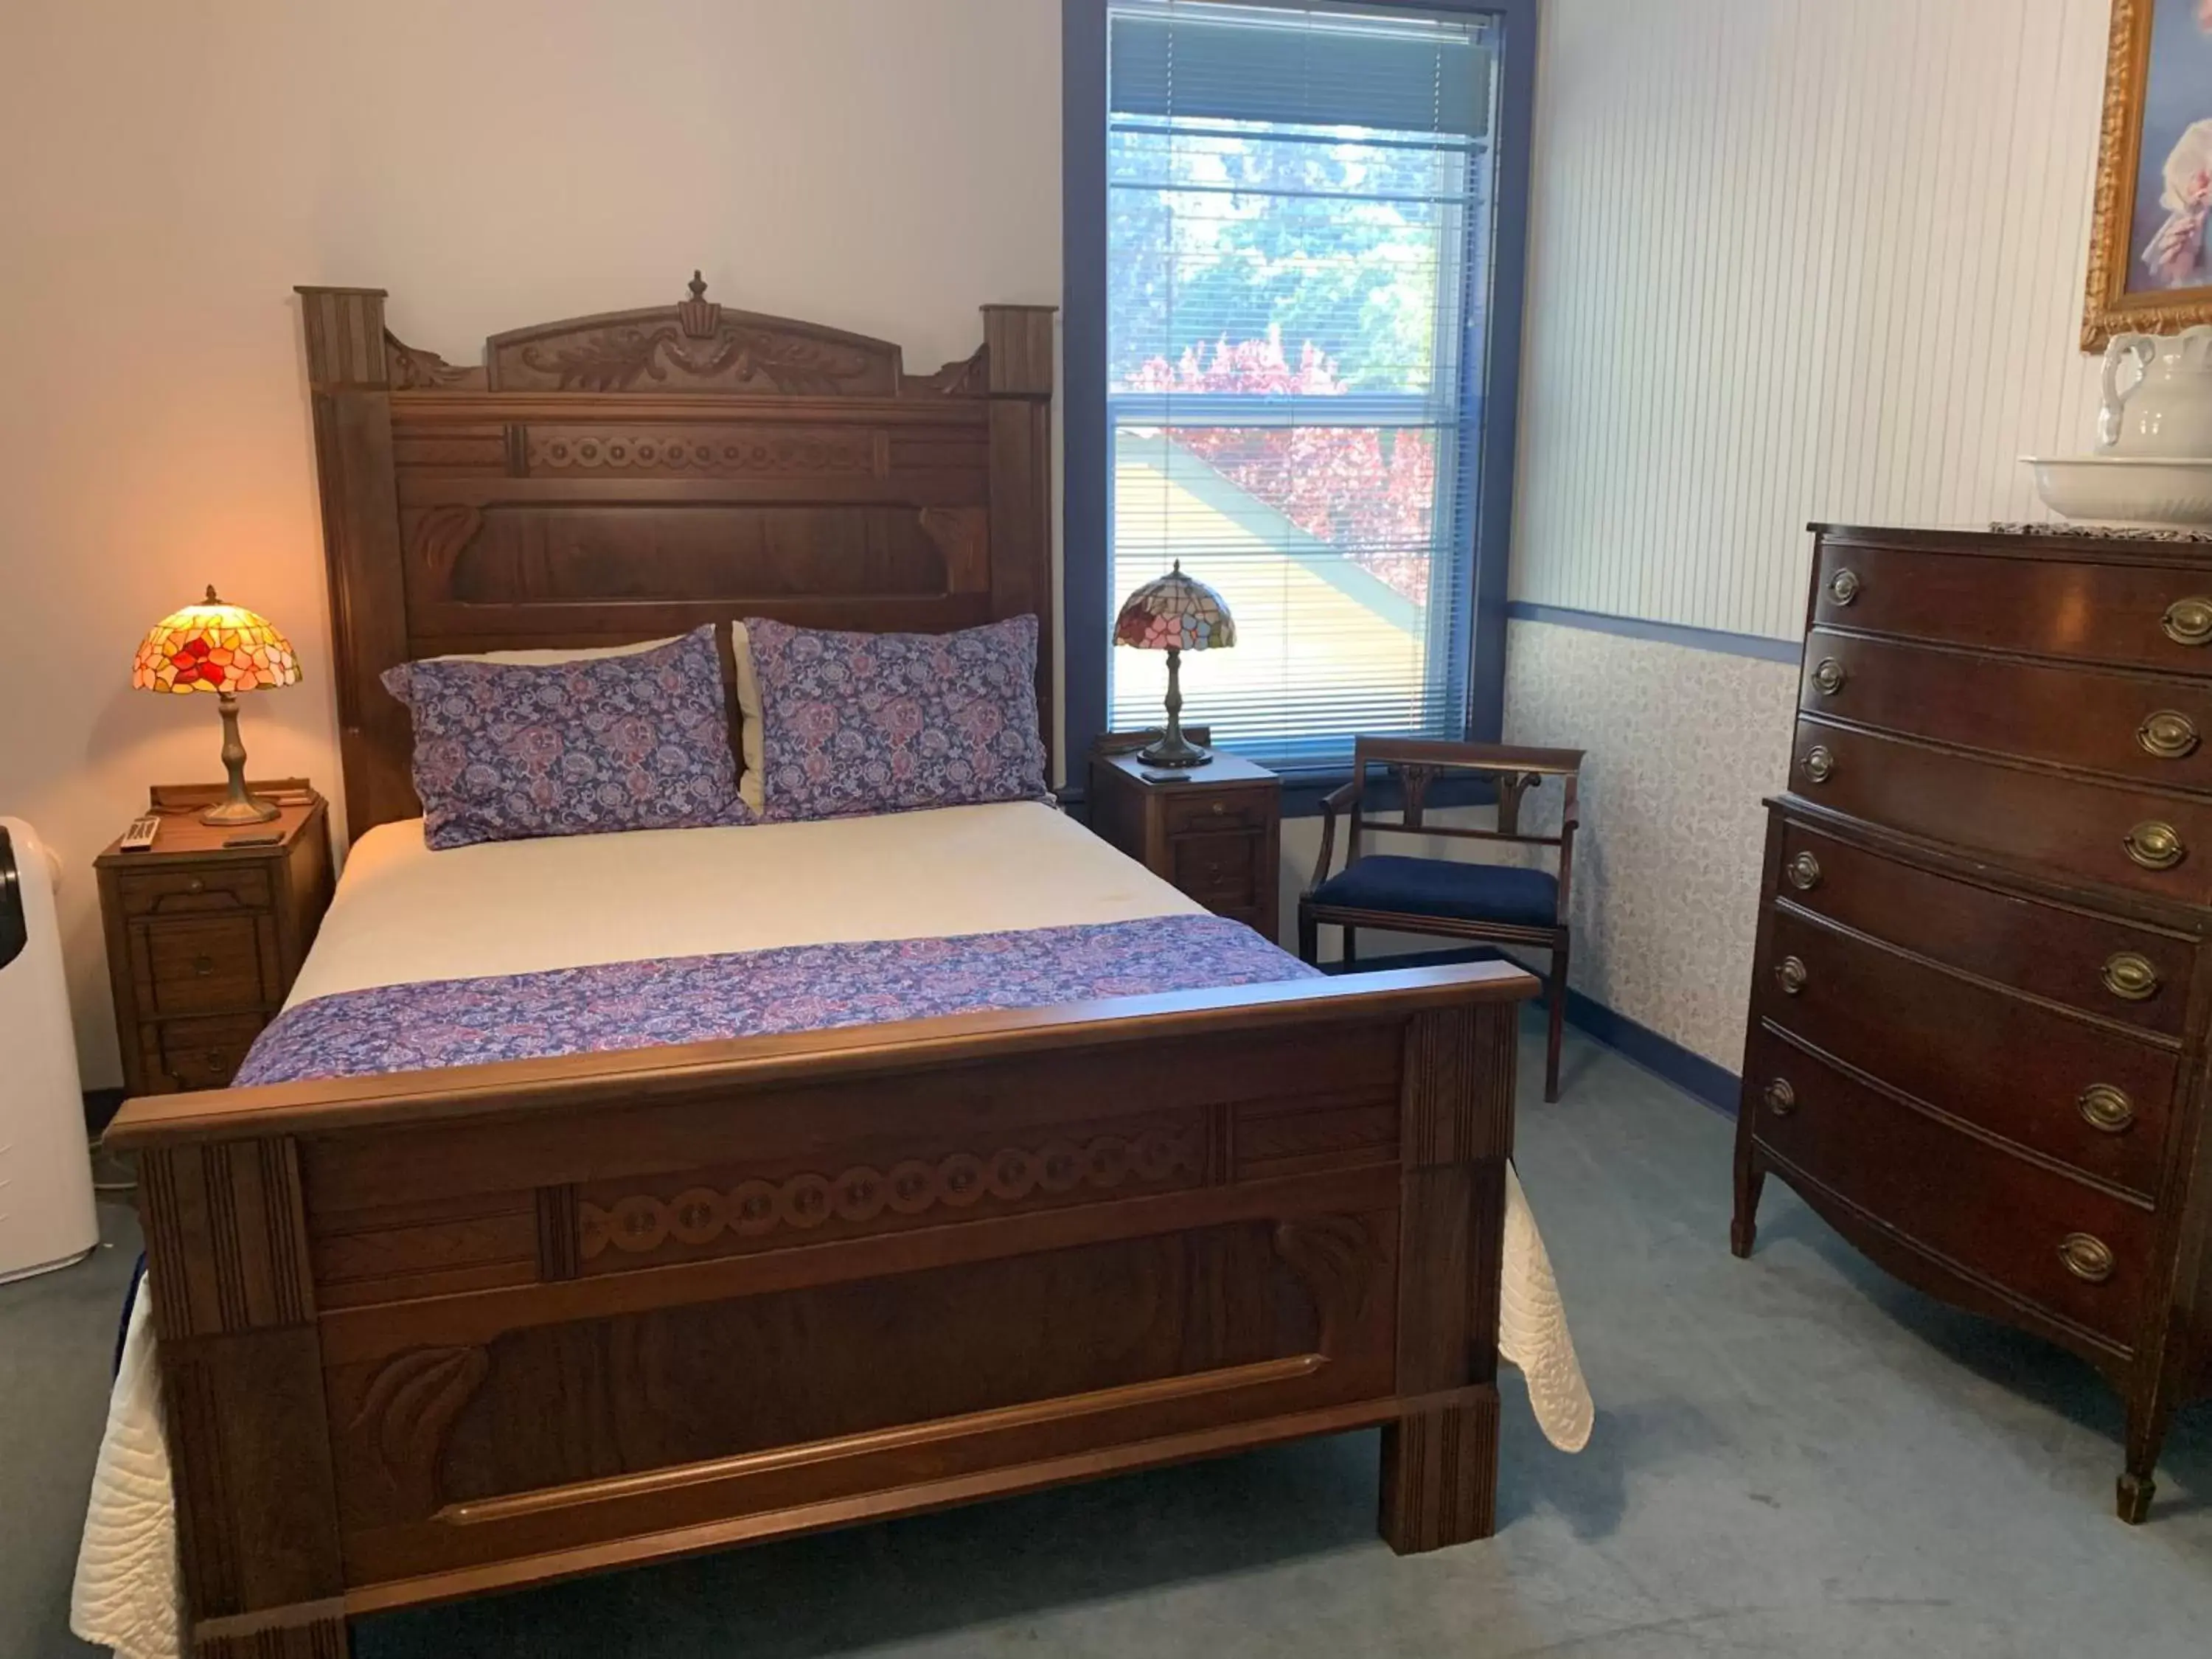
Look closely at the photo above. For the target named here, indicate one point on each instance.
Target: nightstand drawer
(1205, 814)
(202, 1053)
(193, 892)
(200, 967)
(1215, 870)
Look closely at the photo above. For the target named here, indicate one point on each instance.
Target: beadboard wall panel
(1795, 259)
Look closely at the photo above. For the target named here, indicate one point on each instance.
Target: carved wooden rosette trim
(700, 1216)
(734, 452)
(411, 1404)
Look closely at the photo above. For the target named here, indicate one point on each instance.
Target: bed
(429, 1320)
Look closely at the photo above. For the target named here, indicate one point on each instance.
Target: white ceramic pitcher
(2166, 410)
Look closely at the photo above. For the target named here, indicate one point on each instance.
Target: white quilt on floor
(404, 913)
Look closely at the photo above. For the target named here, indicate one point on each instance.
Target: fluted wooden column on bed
(242, 1386)
(1455, 1126)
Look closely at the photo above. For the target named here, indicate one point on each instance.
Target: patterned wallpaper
(1683, 746)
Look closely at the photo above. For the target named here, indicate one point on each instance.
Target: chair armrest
(1343, 798)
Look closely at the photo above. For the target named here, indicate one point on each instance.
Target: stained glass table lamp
(225, 649)
(1174, 613)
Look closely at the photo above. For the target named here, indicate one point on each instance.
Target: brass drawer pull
(1781, 1099)
(1804, 872)
(2106, 1109)
(2088, 1258)
(1820, 762)
(1830, 676)
(1219, 807)
(2169, 734)
(2129, 977)
(196, 885)
(2189, 622)
(2155, 845)
(1790, 973)
(1843, 587)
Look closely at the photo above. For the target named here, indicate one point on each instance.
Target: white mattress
(404, 913)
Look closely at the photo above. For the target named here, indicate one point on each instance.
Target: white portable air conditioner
(47, 1217)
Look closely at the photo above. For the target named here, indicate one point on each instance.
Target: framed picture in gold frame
(2150, 245)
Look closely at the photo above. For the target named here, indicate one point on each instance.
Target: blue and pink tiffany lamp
(225, 649)
(1174, 613)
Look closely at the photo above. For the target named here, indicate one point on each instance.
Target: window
(1300, 221)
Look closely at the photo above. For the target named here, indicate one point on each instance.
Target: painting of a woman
(2151, 258)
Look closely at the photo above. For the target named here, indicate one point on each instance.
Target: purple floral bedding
(801, 987)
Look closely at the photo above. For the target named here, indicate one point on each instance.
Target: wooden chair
(1498, 904)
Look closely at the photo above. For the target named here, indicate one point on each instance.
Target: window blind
(1298, 267)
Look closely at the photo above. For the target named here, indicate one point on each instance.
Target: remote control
(139, 837)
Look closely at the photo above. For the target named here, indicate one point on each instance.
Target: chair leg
(1351, 947)
(1308, 936)
(1555, 994)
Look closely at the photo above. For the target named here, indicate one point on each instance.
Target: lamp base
(1175, 752)
(238, 804)
(251, 809)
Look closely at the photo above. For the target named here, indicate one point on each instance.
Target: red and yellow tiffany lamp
(225, 649)
(1174, 613)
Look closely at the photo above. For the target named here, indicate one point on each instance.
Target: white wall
(881, 165)
(1790, 259)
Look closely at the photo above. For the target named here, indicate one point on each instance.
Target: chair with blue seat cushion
(1452, 898)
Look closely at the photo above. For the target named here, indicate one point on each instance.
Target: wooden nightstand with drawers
(205, 939)
(1214, 831)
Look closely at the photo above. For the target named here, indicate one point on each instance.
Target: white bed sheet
(404, 913)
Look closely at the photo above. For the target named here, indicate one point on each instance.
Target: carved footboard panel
(431, 1336)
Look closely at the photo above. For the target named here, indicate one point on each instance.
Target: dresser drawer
(193, 892)
(2080, 828)
(199, 967)
(2148, 728)
(2043, 606)
(1252, 809)
(203, 1054)
(2088, 962)
(2095, 1100)
(2009, 1221)
(1218, 871)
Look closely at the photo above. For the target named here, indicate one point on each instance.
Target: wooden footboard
(431, 1334)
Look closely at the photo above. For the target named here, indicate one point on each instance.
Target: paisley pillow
(507, 751)
(857, 723)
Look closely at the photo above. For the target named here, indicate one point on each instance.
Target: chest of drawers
(1978, 1019)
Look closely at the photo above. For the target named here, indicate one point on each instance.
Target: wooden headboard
(632, 475)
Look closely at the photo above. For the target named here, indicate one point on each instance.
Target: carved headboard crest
(635, 474)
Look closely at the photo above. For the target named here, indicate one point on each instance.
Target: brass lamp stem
(238, 804)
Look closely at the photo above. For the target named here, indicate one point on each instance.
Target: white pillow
(749, 711)
(749, 698)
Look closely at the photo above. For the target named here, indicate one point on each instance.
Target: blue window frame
(1294, 248)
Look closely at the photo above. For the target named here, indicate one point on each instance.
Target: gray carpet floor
(1794, 1455)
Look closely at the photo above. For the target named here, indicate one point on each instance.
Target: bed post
(242, 1386)
(1017, 351)
(350, 377)
(1440, 1467)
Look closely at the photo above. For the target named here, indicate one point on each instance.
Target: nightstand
(204, 940)
(1215, 831)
